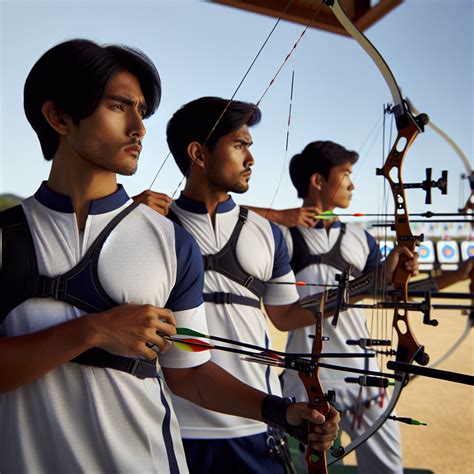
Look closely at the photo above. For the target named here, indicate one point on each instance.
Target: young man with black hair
(92, 285)
(245, 255)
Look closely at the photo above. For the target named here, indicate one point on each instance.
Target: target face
(426, 253)
(467, 249)
(448, 251)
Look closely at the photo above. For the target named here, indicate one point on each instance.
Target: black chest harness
(80, 286)
(302, 257)
(225, 262)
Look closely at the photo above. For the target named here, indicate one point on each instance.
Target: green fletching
(326, 215)
(189, 332)
(408, 421)
(418, 423)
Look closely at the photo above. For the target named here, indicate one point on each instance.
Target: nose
(351, 186)
(249, 159)
(136, 126)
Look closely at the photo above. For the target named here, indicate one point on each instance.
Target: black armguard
(274, 413)
(427, 284)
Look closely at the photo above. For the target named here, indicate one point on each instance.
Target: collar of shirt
(61, 203)
(320, 224)
(198, 207)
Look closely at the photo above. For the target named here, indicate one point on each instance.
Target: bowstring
(242, 80)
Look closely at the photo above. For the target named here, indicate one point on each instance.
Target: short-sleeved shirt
(261, 251)
(79, 418)
(358, 248)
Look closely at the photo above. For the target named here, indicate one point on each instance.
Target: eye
(118, 107)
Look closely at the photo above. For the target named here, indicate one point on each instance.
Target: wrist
(91, 333)
(274, 411)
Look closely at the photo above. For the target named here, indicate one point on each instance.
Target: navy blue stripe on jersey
(173, 463)
(281, 264)
(60, 203)
(189, 287)
(375, 257)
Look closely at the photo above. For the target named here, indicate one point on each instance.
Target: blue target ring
(424, 252)
(447, 251)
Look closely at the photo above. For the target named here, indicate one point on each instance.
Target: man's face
(227, 167)
(336, 191)
(110, 138)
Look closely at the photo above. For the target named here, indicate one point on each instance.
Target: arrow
(202, 346)
(328, 215)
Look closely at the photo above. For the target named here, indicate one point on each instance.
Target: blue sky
(202, 48)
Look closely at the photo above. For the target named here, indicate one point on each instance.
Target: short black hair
(74, 74)
(194, 121)
(317, 157)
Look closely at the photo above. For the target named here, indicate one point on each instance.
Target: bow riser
(316, 461)
(408, 347)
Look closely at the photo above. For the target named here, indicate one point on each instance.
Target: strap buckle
(222, 298)
(208, 261)
(248, 281)
(53, 287)
(133, 366)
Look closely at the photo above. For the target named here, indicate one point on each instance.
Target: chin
(127, 171)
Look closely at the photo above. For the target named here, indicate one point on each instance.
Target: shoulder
(357, 232)
(264, 225)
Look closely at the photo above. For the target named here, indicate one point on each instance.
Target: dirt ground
(446, 445)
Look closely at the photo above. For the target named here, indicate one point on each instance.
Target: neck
(316, 201)
(206, 193)
(81, 181)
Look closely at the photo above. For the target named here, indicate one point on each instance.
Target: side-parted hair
(74, 74)
(194, 121)
(317, 157)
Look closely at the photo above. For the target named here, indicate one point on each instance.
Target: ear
(196, 155)
(316, 181)
(56, 117)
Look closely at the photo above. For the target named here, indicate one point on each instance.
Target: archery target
(426, 252)
(386, 246)
(448, 251)
(467, 249)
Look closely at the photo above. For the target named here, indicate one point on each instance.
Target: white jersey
(359, 249)
(261, 251)
(79, 418)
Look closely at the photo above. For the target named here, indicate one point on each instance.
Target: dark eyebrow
(125, 100)
(243, 141)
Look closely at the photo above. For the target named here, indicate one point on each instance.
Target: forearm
(290, 317)
(126, 329)
(446, 279)
(270, 214)
(24, 359)
(211, 387)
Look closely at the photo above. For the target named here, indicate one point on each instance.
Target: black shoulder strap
(225, 261)
(19, 269)
(302, 257)
(83, 278)
(19, 281)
